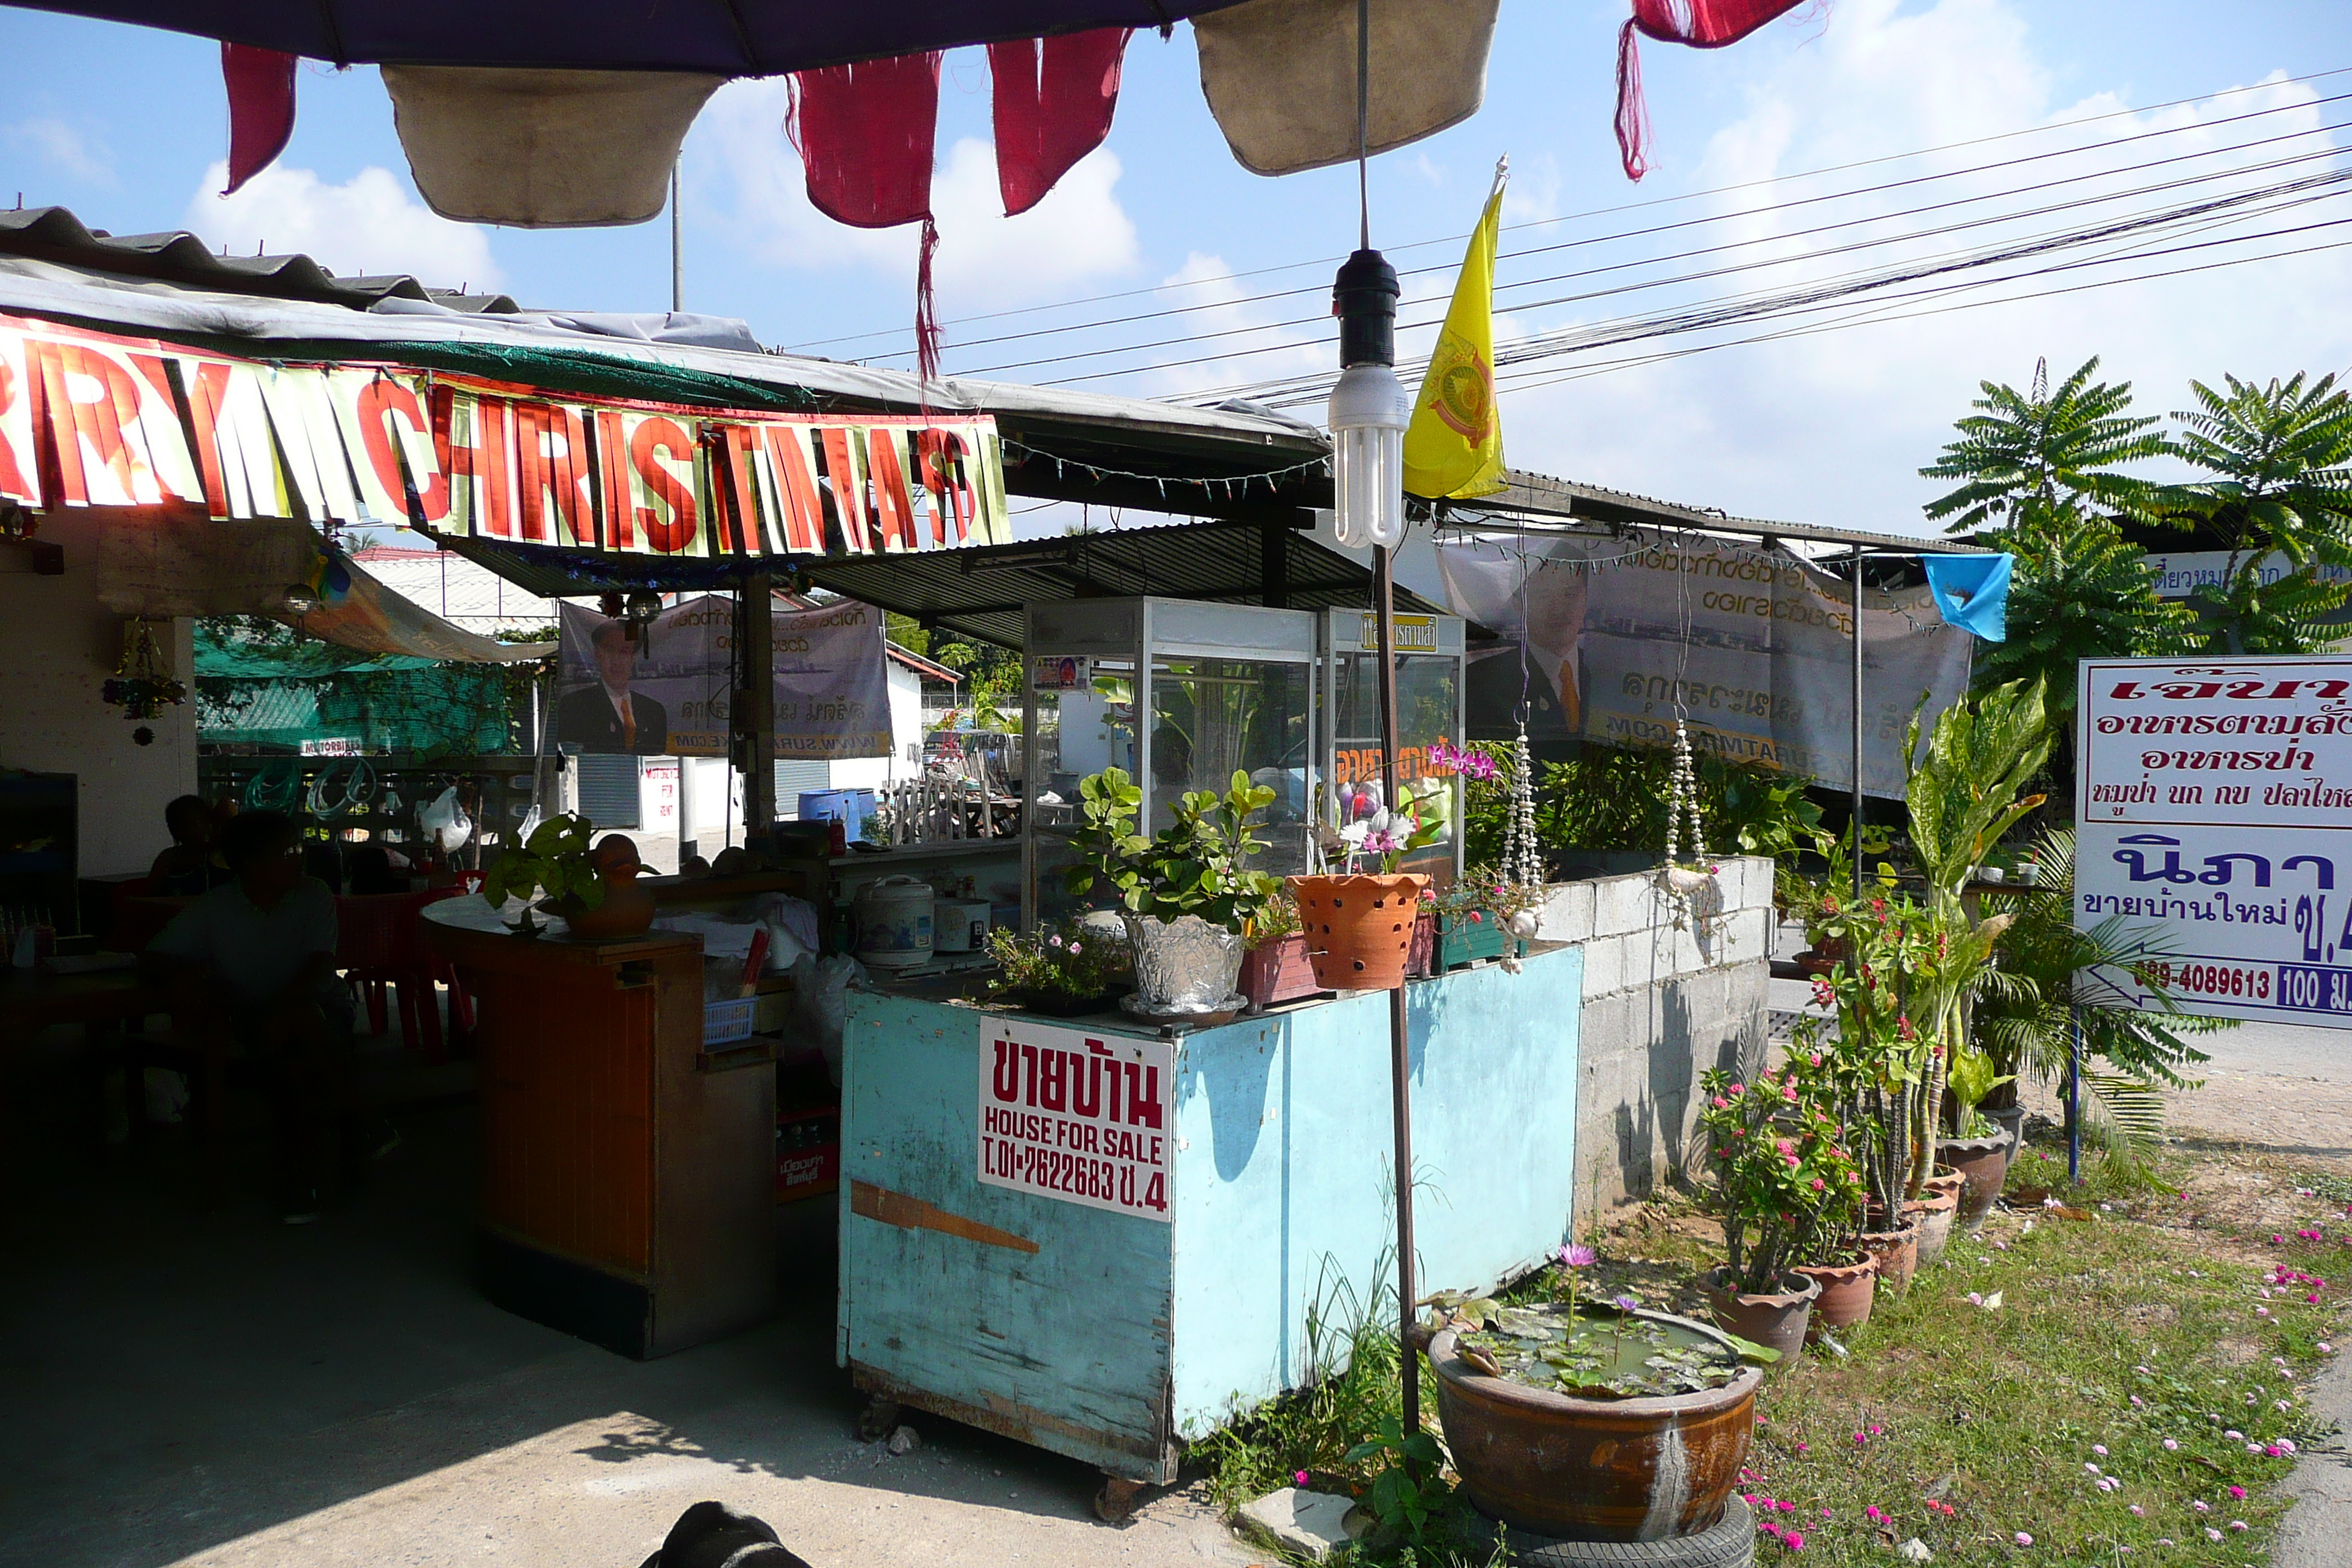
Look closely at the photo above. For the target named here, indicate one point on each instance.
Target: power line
(1632, 207)
(1540, 343)
(2329, 151)
(1875, 317)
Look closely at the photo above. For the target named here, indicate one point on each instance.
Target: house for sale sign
(1079, 1117)
(2213, 812)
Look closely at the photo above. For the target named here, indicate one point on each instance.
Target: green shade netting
(260, 684)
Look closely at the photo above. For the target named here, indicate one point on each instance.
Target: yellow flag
(1455, 445)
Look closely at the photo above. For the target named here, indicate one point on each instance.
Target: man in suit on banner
(608, 717)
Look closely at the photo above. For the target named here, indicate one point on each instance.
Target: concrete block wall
(1662, 1005)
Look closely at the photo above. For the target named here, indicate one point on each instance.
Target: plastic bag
(445, 820)
(821, 1005)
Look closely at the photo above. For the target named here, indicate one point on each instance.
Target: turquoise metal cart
(1038, 1284)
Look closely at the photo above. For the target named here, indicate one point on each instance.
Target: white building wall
(57, 648)
(905, 738)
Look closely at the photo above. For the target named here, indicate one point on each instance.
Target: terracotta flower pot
(1984, 1165)
(1946, 1180)
(1358, 928)
(1776, 1321)
(1934, 1212)
(628, 910)
(1278, 971)
(1847, 1291)
(1594, 1469)
(1896, 1250)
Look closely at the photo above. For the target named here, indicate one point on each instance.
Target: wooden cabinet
(628, 1174)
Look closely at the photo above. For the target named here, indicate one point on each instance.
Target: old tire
(1730, 1544)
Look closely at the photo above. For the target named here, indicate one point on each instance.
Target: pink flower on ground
(2238, 1492)
(2137, 1511)
(2100, 1449)
(2237, 1524)
(2285, 1445)
(1794, 1540)
(1874, 1514)
(2024, 1539)
(1300, 1476)
(2201, 1506)
(2172, 1443)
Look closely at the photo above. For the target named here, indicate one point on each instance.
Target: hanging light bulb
(643, 605)
(1369, 409)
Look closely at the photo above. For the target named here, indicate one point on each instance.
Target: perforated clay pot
(1358, 928)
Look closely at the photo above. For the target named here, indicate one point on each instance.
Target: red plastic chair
(380, 946)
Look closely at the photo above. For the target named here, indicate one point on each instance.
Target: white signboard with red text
(96, 420)
(2213, 812)
(1076, 1116)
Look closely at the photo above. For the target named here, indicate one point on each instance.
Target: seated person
(368, 870)
(255, 957)
(189, 866)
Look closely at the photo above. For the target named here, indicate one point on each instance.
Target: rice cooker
(960, 925)
(894, 923)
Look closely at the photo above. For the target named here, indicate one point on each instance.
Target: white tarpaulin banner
(1752, 647)
(667, 693)
(1068, 1115)
(2213, 807)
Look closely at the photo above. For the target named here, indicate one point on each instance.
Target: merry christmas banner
(91, 420)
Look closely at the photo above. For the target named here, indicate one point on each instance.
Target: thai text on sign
(2213, 816)
(94, 419)
(1074, 1116)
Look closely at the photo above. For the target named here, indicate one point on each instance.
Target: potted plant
(579, 880)
(1979, 1152)
(1361, 926)
(1275, 968)
(1594, 1423)
(1187, 894)
(1067, 971)
(1785, 1184)
(1467, 925)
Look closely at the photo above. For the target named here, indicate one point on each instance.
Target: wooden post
(755, 718)
(1400, 1021)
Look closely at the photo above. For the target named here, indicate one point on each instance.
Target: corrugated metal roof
(55, 233)
(980, 593)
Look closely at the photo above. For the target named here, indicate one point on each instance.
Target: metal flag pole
(676, 245)
(1857, 721)
(1400, 1019)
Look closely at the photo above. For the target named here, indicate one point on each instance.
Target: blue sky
(126, 126)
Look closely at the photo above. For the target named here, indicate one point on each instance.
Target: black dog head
(712, 1535)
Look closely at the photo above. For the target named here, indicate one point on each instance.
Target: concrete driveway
(215, 1388)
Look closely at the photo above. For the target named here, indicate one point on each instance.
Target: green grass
(1992, 1413)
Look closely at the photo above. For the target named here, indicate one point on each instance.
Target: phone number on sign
(2214, 980)
(1052, 1170)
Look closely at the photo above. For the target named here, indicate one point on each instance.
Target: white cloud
(369, 226)
(1831, 428)
(1077, 235)
(82, 155)
(1230, 304)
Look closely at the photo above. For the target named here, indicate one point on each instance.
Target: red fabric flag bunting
(260, 108)
(1701, 24)
(865, 134)
(1053, 99)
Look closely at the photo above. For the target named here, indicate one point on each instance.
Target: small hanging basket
(1358, 928)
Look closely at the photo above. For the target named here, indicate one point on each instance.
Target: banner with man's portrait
(666, 692)
(1752, 648)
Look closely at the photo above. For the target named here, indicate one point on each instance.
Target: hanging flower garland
(143, 685)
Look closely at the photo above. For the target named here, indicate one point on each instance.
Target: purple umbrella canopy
(567, 113)
(712, 37)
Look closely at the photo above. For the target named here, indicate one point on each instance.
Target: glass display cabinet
(1429, 651)
(1182, 695)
